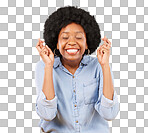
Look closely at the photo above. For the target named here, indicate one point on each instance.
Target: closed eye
(78, 37)
(65, 37)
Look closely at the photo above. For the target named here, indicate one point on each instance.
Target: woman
(75, 91)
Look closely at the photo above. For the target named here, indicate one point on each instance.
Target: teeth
(72, 50)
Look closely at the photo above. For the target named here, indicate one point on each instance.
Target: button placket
(76, 112)
(77, 126)
(74, 89)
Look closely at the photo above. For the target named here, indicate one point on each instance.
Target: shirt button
(74, 91)
(75, 105)
(76, 121)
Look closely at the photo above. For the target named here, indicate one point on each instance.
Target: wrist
(47, 66)
(105, 66)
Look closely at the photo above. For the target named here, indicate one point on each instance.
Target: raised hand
(103, 52)
(46, 53)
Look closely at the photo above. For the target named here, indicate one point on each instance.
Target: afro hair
(66, 15)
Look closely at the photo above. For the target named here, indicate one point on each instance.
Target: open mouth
(72, 51)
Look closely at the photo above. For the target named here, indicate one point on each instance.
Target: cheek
(61, 44)
(61, 40)
(84, 44)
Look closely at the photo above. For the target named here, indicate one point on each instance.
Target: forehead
(72, 28)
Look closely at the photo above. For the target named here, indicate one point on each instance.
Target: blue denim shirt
(79, 105)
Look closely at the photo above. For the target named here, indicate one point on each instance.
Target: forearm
(107, 104)
(108, 89)
(48, 87)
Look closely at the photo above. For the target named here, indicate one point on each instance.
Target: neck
(74, 64)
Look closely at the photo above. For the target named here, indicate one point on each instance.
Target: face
(72, 42)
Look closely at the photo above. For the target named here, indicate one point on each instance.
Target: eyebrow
(75, 32)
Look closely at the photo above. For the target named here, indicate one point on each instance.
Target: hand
(103, 52)
(45, 53)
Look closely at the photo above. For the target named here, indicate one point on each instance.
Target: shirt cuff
(107, 102)
(42, 99)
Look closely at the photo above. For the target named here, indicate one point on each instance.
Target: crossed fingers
(41, 48)
(39, 45)
(106, 45)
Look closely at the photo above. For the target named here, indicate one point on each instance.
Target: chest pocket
(90, 91)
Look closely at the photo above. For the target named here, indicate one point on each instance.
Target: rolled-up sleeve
(46, 109)
(51, 103)
(109, 103)
(107, 108)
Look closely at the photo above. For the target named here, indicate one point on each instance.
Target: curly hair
(66, 15)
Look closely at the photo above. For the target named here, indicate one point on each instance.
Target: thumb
(99, 56)
(48, 49)
(99, 50)
(50, 52)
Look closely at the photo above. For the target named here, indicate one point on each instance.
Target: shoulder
(93, 60)
(95, 65)
(39, 65)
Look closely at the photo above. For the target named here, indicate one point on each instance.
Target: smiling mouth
(72, 51)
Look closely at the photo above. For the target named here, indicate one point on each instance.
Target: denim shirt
(79, 105)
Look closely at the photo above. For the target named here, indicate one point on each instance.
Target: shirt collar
(84, 61)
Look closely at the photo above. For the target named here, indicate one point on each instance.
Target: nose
(72, 40)
(71, 43)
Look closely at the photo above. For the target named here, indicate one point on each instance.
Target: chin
(72, 58)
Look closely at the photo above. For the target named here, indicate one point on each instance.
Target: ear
(57, 46)
(86, 46)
